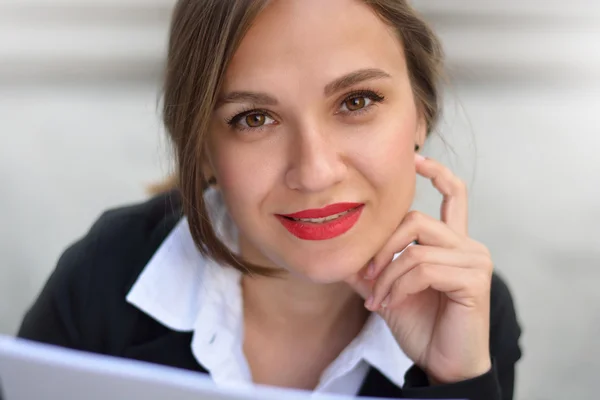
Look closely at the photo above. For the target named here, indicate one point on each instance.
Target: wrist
(475, 371)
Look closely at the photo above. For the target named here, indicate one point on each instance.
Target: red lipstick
(323, 223)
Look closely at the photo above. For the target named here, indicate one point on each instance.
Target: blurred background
(80, 132)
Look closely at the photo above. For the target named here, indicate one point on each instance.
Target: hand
(435, 297)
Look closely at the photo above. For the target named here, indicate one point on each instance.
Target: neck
(292, 304)
(294, 329)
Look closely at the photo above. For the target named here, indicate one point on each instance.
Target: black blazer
(83, 307)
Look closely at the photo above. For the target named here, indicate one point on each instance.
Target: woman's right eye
(251, 120)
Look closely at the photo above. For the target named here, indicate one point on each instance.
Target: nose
(315, 162)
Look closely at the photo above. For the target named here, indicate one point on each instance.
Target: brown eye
(356, 103)
(255, 120)
(360, 101)
(252, 119)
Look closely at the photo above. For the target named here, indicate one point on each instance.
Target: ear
(208, 171)
(421, 132)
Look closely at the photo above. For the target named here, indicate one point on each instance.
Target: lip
(324, 212)
(325, 230)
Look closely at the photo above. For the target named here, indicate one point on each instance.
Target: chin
(326, 269)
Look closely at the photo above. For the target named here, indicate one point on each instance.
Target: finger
(467, 287)
(379, 262)
(454, 210)
(415, 227)
(421, 255)
(360, 285)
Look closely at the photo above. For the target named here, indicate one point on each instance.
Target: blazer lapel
(172, 349)
(377, 385)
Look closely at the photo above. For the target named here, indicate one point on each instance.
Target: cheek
(385, 155)
(244, 174)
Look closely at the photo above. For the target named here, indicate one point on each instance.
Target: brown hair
(203, 38)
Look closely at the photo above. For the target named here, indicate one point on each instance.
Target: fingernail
(419, 157)
(385, 301)
(369, 302)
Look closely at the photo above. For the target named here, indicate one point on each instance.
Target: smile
(324, 223)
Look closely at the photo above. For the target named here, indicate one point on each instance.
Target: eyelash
(372, 95)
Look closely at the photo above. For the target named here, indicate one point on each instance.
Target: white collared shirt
(185, 291)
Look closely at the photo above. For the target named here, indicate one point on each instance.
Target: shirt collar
(185, 291)
(178, 280)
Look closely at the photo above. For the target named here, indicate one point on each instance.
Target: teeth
(321, 220)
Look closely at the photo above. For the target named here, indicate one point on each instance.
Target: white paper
(32, 371)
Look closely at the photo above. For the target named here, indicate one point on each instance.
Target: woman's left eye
(356, 103)
(359, 101)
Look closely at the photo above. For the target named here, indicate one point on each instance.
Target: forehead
(313, 40)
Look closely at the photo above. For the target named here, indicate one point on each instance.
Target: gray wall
(81, 132)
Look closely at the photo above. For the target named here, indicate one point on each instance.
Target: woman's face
(316, 110)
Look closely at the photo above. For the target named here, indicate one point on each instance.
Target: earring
(417, 147)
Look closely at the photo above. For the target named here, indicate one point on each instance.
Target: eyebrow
(353, 78)
(247, 97)
(337, 85)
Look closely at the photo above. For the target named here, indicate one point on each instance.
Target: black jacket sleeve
(54, 316)
(496, 384)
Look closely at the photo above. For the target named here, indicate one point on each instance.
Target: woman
(286, 256)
